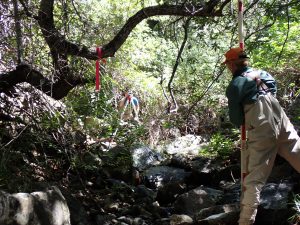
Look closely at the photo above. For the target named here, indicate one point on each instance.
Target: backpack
(264, 81)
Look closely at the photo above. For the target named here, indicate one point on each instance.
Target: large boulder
(199, 198)
(36, 208)
(185, 145)
(144, 157)
(160, 176)
(275, 204)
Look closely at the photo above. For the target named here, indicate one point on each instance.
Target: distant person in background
(129, 107)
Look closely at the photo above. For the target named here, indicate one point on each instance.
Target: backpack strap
(261, 86)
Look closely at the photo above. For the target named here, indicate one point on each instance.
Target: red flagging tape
(98, 75)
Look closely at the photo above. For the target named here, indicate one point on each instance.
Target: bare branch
(185, 26)
(18, 32)
(251, 6)
(220, 10)
(287, 35)
(15, 138)
(24, 73)
(28, 13)
(205, 91)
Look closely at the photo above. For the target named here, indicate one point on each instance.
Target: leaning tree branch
(57, 41)
(24, 73)
(60, 48)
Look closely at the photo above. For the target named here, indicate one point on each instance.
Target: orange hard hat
(234, 54)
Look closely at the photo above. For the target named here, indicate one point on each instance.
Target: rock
(143, 157)
(274, 203)
(220, 210)
(199, 198)
(144, 194)
(105, 219)
(185, 145)
(269, 216)
(48, 207)
(220, 214)
(159, 176)
(138, 221)
(180, 220)
(77, 212)
(281, 170)
(221, 218)
(232, 191)
(112, 207)
(168, 193)
(126, 219)
(275, 196)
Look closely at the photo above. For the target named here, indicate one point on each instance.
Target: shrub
(219, 146)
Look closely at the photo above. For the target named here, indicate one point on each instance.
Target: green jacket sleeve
(234, 93)
(241, 90)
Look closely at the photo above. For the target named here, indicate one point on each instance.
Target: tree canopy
(61, 47)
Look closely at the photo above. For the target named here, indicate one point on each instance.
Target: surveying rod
(243, 129)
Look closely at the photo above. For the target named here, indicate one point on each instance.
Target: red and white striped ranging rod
(240, 23)
(243, 129)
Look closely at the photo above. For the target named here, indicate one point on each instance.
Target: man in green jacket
(252, 102)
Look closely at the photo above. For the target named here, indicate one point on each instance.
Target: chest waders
(262, 125)
(262, 90)
(267, 126)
